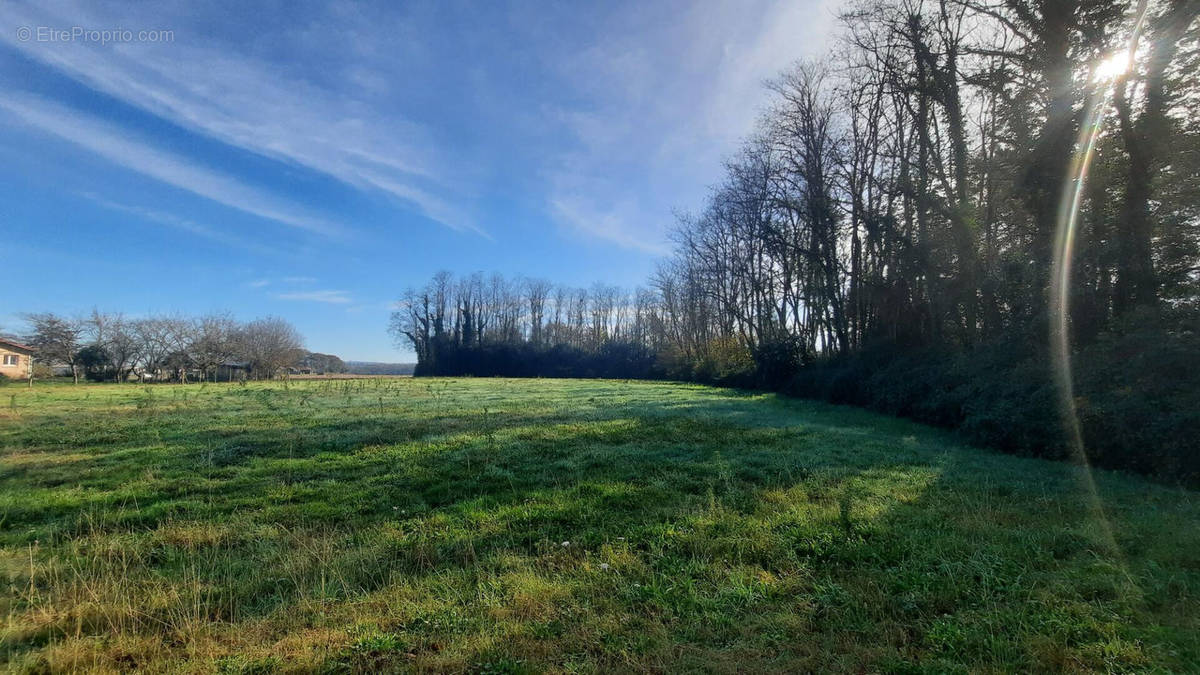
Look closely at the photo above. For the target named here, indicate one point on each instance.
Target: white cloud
(664, 102)
(184, 225)
(108, 142)
(650, 97)
(257, 105)
(328, 296)
(612, 224)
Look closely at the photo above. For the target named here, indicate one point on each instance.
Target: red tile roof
(10, 343)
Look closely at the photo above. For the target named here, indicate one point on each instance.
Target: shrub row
(1136, 395)
(1136, 388)
(613, 360)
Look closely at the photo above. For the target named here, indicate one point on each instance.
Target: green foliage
(96, 363)
(611, 359)
(725, 361)
(777, 360)
(1137, 394)
(492, 525)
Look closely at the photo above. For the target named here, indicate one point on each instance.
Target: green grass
(559, 525)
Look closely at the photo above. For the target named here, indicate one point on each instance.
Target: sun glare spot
(1112, 67)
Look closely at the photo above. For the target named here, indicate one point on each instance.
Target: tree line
(492, 325)
(908, 188)
(108, 346)
(893, 234)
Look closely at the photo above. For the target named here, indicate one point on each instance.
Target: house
(16, 359)
(232, 371)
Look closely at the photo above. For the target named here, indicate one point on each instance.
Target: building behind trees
(111, 347)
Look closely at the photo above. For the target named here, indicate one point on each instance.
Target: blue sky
(311, 162)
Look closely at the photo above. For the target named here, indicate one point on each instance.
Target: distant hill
(376, 368)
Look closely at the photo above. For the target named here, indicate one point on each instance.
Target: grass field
(578, 526)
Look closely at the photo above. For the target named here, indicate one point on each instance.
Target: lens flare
(1104, 74)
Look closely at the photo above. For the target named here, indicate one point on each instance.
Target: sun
(1113, 67)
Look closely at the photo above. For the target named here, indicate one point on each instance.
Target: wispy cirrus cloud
(617, 115)
(331, 126)
(616, 223)
(326, 296)
(107, 141)
(660, 102)
(182, 224)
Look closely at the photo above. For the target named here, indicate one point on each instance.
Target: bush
(726, 362)
(613, 359)
(1137, 387)
(777, 360)
(1137, 394)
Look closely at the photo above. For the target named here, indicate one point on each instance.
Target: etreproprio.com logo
(101, 36)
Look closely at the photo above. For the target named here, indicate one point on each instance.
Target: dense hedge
(614, 360)
(1137, 394)
(1137, 388)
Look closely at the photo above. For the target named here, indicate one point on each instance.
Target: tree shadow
(736, 531)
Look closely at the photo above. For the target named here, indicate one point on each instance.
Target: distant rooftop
(12, 342)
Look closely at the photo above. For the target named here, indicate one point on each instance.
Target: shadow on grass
(698, 534)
